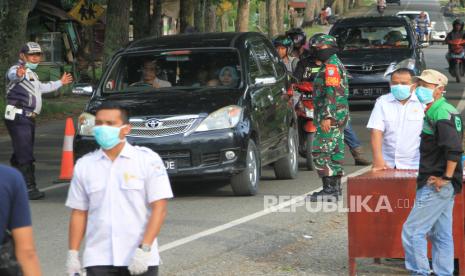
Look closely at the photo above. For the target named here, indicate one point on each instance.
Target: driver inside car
(393, 38)
(149, 76)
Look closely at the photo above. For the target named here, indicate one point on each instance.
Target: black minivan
(211, 105)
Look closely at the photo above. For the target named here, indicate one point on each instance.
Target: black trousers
(22, 133)
(117, 271)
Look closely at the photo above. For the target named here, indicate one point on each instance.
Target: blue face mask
(425, 95)
(106, 136)
(31, 66)
(400, 91)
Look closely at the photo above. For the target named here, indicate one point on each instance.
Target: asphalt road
(208, 231)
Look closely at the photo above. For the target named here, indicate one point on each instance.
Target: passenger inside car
(228, 76)
(149, 75)
(393, 38)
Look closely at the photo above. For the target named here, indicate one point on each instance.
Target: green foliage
(312, 30)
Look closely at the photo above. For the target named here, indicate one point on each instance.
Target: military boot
(328, 193)
(336, 181)
(28, 172)
(359, 159)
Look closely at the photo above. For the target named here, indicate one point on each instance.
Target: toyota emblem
(153, 123)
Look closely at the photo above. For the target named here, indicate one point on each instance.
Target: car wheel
(308, 149)
(287, 167)
(246, 182)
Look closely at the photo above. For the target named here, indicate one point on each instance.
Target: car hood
(374, 56)
(173, 102)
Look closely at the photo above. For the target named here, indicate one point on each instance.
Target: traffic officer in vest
(24, 102)
(331, 91)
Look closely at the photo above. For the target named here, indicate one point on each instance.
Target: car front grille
(367, 68)
(154, 127)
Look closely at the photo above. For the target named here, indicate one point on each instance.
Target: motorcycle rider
(456, 33)
(308, 67)
(298, 37)
(381, 5)
(283, 44)
(422, 23)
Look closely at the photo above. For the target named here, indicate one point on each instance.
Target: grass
(312, 30)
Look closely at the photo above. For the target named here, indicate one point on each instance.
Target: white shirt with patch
(117, 196)
(401, 126)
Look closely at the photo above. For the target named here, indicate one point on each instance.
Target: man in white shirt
(118, 196)
(149, 75)
(396, 123)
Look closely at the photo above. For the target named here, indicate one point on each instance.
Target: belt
(30, 114)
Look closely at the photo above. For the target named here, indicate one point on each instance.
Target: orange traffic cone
(67, 159)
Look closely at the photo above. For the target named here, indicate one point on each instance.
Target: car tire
(288, 166)
(246, 182)
(308, 150)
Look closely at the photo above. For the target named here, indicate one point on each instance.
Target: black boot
(328, 193)
(28, 172)
(336, 182)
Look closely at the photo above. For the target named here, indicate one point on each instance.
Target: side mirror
(265, 81)
(84, 89)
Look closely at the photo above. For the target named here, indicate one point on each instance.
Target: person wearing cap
(439, 180)
(24, 103)
(330, 96)
(395, 116)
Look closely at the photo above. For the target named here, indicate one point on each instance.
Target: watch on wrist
(145, 247)
(446, 178)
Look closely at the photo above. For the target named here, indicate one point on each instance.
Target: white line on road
(56, 186)
(250, 217)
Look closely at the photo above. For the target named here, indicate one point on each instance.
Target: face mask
(400, 91)
(324, 54)
(425, 95)
(31, 66)
(106, 136)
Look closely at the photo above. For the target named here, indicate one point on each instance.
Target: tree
(13, 22)
(210, 16)
(242, 21)
(141, 15)
(117, 27)
(280, 13)
(156, 23)
(272, 23)
(309, 15)
(186, 15)
(199, 15)
(358, 3)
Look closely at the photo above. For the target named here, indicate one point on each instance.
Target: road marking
(53, 187)
(248, 218)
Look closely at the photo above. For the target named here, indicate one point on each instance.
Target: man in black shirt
(439, 179)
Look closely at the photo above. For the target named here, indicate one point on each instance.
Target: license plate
(170, 165)
(368, 91)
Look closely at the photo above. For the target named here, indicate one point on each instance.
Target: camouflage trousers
(328, 152)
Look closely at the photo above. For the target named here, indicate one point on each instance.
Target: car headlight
(226, 117)
(86, 122)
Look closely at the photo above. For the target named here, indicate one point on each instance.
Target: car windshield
(174, 70)
(356, 38)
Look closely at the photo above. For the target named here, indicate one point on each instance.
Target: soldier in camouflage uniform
(331, 114)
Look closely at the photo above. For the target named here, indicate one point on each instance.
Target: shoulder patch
(458, 123)
(332, 76)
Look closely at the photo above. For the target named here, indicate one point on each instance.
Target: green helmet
(325, 40)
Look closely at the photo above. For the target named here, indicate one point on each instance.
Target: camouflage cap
(325, 40)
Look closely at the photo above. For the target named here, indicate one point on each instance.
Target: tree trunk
(186, 15)
(346, 5)
(318, 8)
(199, 15)
(117, 27)
(224, 22)
(339, 9)
(309, 12)
(358, 3)
(262, 15)
(272, 23)
(210, 17)
(141, 15)
(242, 21)
(280, 12)
(12, 34)
(156, 22)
